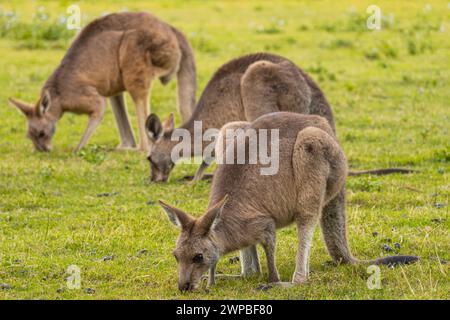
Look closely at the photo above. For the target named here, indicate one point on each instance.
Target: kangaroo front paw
(228, 276)
(190, 178)
(299, 278)
(207, 176)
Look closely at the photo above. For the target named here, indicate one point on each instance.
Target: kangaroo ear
(209, 220)
(44, 103)
(169, 124)
(153, 127)
(178, 217)
(26, 109)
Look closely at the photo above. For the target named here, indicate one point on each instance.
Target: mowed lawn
(97, 210)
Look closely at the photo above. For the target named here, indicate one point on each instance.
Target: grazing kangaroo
(246, 208)
(241, 90)
(119, 52)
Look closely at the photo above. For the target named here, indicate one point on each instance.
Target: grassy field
(390, 91)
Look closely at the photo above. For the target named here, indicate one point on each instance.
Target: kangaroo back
(270, 87)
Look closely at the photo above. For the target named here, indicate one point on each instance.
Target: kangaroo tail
(380, 172)
(392, 261)
(186, 77)
(333, 223)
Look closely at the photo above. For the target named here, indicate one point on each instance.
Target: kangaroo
(116, 53)
(242, 90)
(245, 208)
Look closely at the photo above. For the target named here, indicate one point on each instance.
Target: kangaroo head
(41, 125)
(161, 163)
(197, 248)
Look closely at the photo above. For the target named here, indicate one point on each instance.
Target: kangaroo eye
(198, 258)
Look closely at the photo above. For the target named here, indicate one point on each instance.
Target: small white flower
(62, 19)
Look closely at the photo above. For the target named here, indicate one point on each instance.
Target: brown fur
(308, 189)
(116, 53)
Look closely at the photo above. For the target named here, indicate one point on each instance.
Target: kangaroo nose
(159, 178)
(184, 286)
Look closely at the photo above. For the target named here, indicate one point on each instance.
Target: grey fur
(308, 189)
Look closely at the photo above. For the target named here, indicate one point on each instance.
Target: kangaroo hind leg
(118, 106)
(314, 152)
(319, 173)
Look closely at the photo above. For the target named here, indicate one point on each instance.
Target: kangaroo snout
(159, 177)
(39, 147)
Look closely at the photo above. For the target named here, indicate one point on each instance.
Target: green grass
(390, 93)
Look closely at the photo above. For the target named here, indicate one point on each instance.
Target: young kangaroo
(119, 52)
(246, 208)
(242, 90)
